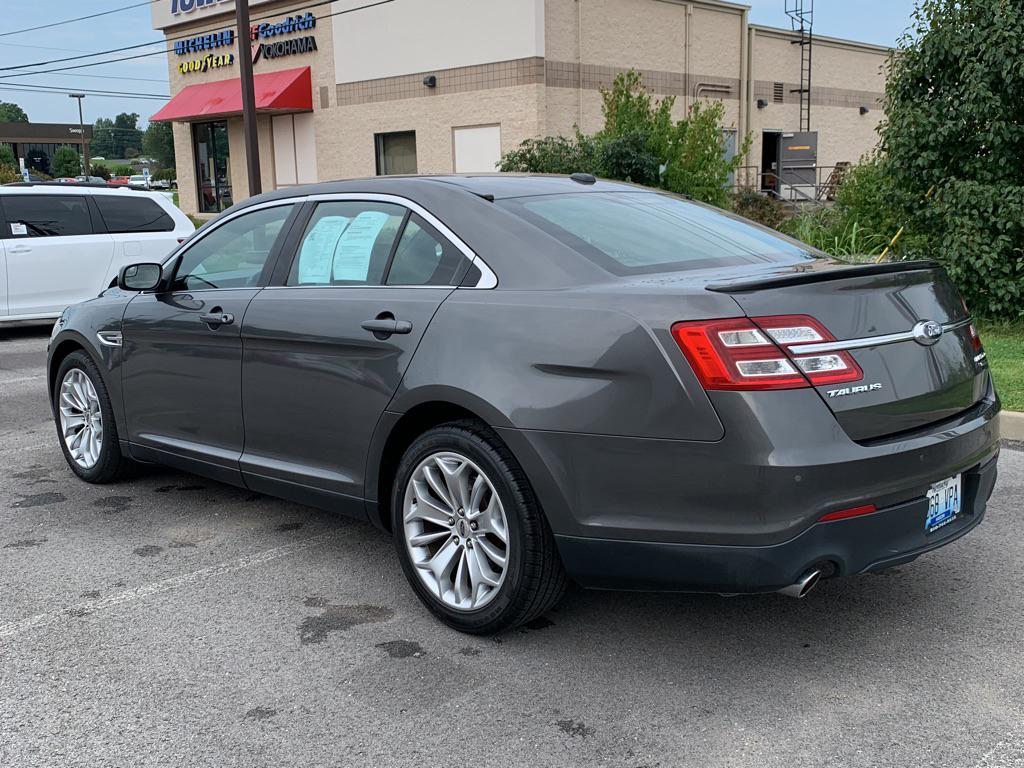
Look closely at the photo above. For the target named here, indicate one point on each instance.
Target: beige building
(436, 86)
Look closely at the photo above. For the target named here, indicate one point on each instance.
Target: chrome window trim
(868, 341)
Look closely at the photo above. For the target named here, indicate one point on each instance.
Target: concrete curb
(1011, 425)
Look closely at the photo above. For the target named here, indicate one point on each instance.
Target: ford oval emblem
(927, 332)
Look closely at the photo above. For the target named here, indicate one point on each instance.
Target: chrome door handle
(383, 326)
(218, 318)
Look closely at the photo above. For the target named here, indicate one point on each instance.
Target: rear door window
(424, 257)
(132, 214)
(641, 232)
(46, 216)
(347, 242)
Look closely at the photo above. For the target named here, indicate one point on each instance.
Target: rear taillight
(975, 339)
(762, 353)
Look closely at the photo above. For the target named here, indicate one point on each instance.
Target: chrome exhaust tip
(803, 585)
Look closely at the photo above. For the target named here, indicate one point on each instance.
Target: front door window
(213, 166)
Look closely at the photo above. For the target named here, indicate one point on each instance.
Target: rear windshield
(639, 232)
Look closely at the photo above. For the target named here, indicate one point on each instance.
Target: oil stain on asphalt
(402, 649)
(574, 728)
(26, 543)
(113, 504)
(260, 713)
(337, 618)
(38, 500)
(149, 550)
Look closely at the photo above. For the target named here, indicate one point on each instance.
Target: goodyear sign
(205, 64)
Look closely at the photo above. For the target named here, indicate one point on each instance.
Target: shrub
(9, 174)
(165, 174)
(99, 170)
(758, 207)
(66, 162)
(641, 143)
(123, 170)
(7, 156)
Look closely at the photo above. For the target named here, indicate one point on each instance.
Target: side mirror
(140, 277)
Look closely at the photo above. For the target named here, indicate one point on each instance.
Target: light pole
(81, 125)
(249, 126)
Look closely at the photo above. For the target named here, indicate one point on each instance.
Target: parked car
(160, 184)
(66, 180)
(118, 181)
(525, 379)
(90, 179)
(63, 244)
(138, 182)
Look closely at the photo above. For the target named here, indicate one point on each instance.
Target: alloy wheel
(456, 531)
(81, 418)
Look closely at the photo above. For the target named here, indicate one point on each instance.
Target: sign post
(250, 128)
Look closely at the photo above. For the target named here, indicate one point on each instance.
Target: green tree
(952, 143)
(158, 143)
(127, 134)
(12, 113)
(103, 138)
(66, 162)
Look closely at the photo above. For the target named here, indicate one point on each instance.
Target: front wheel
(470, 534)
(85, 421)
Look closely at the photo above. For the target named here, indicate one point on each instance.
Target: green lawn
(1004, 344)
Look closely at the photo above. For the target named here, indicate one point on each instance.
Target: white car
(138, 182)
(60, 245)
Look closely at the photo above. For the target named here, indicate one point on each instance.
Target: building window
(396, 153)
(477, 148)
(213, 166)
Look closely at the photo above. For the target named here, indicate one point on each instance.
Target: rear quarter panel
(587, 361)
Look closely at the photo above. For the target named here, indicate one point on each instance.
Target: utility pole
(81, 124)
(250, 128)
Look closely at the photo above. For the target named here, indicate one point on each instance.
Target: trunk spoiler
(841, 272)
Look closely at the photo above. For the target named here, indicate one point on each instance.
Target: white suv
(63, 244)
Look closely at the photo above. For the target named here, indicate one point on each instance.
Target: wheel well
(414, 423)
(63, 349)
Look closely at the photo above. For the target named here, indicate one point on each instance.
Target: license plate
(943, 503)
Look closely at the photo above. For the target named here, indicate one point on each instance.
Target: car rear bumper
(885, 538)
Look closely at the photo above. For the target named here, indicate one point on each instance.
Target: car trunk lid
(904, 324)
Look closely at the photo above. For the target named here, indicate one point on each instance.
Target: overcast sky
(874, 21)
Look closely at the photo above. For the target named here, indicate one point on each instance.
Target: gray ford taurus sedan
(525, 379)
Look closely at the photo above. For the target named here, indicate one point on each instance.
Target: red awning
(290, 90)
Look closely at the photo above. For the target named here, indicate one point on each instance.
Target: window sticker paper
(318, 250)
(352, 257)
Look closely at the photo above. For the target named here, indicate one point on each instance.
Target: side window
(46, 216)
(122, 213)
(234, 254)
(424, 257)
(347, 242)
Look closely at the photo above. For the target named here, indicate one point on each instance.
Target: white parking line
(174, 582)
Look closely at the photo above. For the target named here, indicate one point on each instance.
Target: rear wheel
(470, 534)
(85, 421)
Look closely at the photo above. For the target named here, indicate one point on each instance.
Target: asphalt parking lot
(173, 621)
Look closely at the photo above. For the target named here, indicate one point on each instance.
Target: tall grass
(826, 232)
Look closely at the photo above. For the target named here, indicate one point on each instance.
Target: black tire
(111, 464)
(534, 579)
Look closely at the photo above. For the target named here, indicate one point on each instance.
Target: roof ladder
(801, 19)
